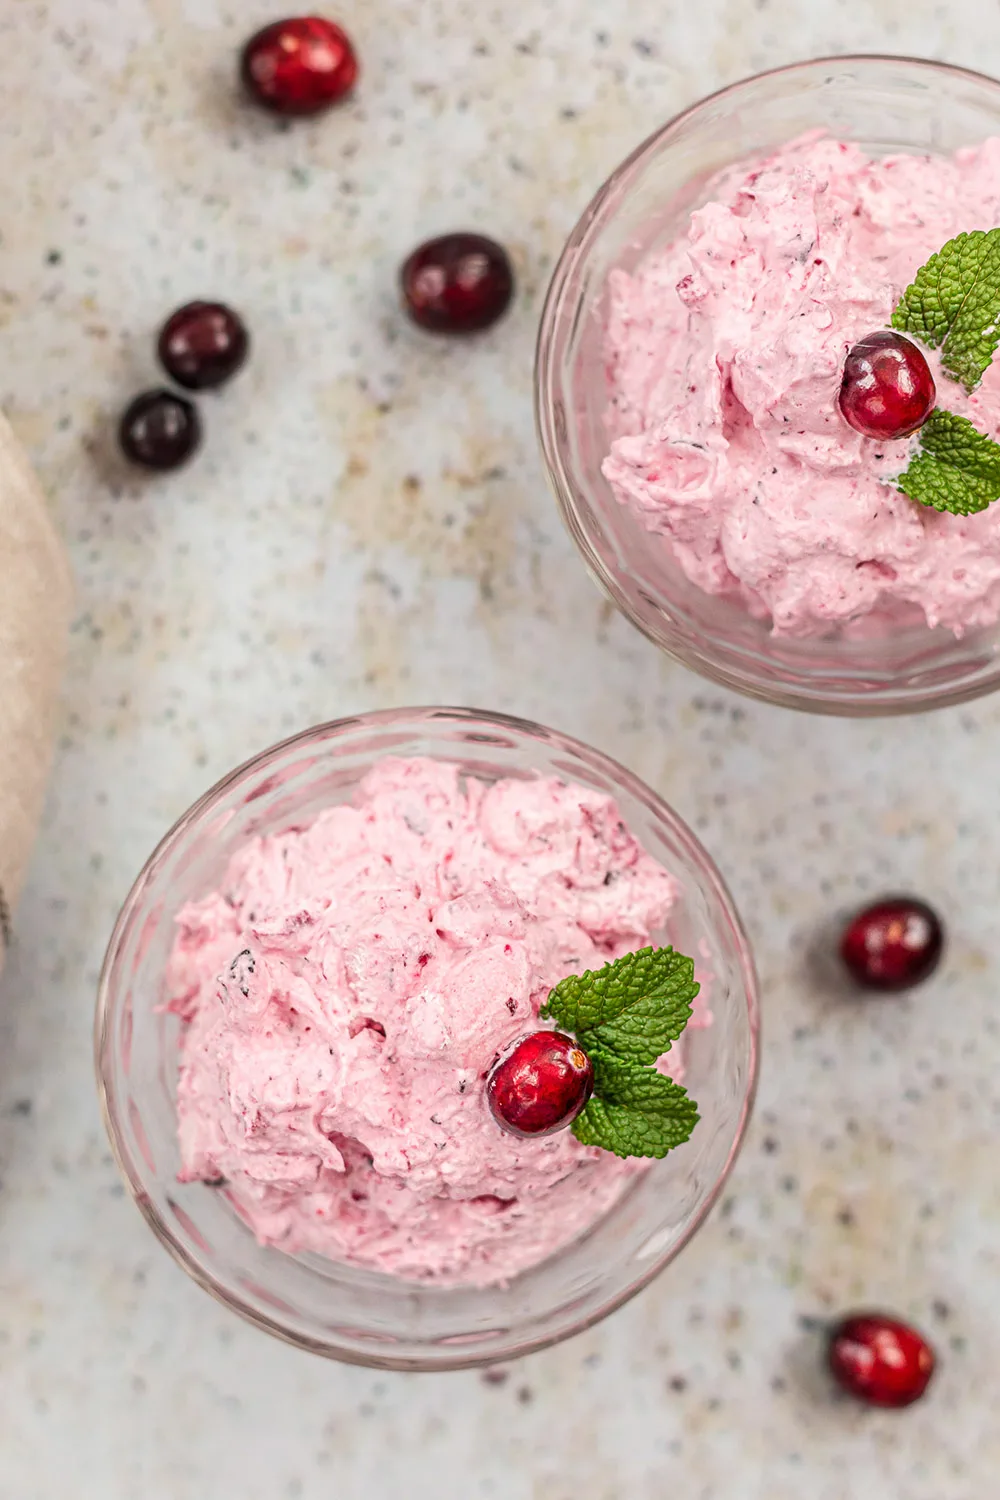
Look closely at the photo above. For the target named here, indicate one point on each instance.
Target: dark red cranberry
(160, 430)
(203, 344)
(880, 1360)
(893, 944)
(299, 66)
(458, 283)
(888, 389)
(540, 1085)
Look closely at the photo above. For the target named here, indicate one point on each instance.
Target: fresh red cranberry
(458, 283)
(541, 1084)
(203, 344)
(888, 389)
(893, 944)
(159, 430)
(299, 66)
(880, 1360)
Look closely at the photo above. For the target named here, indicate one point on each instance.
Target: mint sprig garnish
(953, 304)
(624, 1017)
(957, 468)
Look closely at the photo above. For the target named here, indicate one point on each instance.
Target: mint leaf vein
(953, 304)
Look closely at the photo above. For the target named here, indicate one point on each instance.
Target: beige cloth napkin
(35, 597)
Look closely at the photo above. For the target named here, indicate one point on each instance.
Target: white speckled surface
(367, 527)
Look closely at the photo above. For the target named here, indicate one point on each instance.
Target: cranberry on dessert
(159, 430)
(458, 283)
(203, 344)
(880, 1360)
(299, 66)
(893, 944)
(541, 1084)
(888, 389)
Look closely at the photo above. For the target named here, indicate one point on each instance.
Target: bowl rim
(328, 732)
(882, 704)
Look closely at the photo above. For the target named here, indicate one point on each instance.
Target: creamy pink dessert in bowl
(301, 1001)
(689, 364)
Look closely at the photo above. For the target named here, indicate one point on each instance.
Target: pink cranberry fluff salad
(725, 353)
(344, 994)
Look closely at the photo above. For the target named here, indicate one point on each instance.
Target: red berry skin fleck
(540, 1085)
(888, 389)
(458, 283)
(203, 344)
(892, 945)
(880, 1360)
(299, 66)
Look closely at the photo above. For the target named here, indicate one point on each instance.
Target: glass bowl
(886, 104)
(340, 1310)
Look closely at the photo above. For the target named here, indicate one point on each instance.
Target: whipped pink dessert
(725, 353)
(347, 989)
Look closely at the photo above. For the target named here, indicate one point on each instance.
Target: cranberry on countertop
(880, 1360)
(458, 283)
(299, 66)
(888, 389)
(893, 944)
(159, 430)
(203, 344)
(540, 1085)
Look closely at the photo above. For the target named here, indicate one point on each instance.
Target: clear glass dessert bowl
(885, 104)
(337, 1309)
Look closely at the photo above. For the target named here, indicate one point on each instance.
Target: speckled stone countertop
(368, 526)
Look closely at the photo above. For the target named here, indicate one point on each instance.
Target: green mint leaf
(625, 1016)
(634, 1111)
(957, 468)
(953, 304)
(632, 1009)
